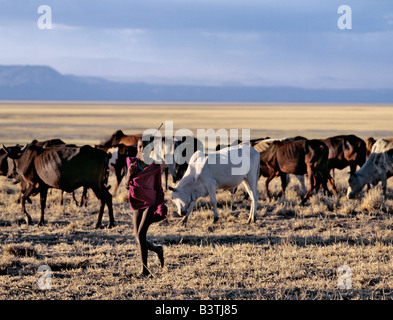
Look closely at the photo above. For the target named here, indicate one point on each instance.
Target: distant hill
(45, 83)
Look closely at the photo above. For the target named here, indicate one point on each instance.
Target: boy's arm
(132, 169)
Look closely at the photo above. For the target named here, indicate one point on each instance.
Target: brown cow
(17, 148)
(297, 157)
(264, 171)
(344, 151)
(120, 138)
(62, 167)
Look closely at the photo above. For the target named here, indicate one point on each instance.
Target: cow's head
(181, 199)
(12, 153)
(354, 185)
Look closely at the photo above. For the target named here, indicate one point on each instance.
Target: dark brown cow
(17, 148)
(65, 168)
(264, 171)
(120, 138)
(297, 157)
(344, 151)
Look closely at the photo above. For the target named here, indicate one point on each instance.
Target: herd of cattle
(41, 165)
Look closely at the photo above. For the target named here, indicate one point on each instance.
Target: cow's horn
(24, 147)
(5, 148)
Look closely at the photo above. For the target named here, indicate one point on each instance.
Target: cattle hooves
(28, 220)
(303, 202)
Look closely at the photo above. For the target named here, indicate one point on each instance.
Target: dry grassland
(291, 252)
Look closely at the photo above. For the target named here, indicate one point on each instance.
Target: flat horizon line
(216, 103)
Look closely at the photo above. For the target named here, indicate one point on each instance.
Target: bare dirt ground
(331, 248)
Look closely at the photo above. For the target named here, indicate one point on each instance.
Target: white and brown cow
(378, 167)
(224, 169)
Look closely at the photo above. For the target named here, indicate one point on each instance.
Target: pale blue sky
(218, 42)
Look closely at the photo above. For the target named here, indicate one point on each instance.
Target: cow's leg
(119, 177)
(312, 184)
(73, 197)
(61, 197)
(105, 198)
(101, 212)
(19, 196)
(233, 192)
(270, 178)
(189, 210)
(84, 197)
(43, 195)
(254, 200)
(25, 196)
(287, 181)
(332, 184)
(283, 177)
(21, 191)
(322, 180)
(108, 201)
(213, 201)
(99, 192)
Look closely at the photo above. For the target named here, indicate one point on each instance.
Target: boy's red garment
(146, 189)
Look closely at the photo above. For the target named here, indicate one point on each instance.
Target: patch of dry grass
(373, 201)
(291, 252)
(20, 250)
